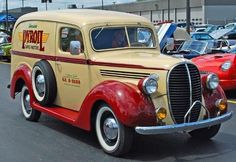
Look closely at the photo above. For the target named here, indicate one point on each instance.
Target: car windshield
(201, 36)
(122, 37)
(198, 46)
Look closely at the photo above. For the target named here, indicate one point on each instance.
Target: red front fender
(210, 97)
(131, 107)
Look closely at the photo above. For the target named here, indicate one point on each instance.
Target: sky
(58, 4)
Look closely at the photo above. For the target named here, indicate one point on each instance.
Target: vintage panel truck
(103, 71)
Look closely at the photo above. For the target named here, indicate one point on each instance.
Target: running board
(66, 115)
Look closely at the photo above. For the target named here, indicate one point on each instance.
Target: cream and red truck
(103, 71)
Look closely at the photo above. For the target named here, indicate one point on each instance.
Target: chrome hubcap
(40, 84)
(110, 128)
(27, 103)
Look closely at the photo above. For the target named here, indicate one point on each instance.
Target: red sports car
(224, 65)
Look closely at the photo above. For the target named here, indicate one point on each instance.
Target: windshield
(122, 37)
(198, 46)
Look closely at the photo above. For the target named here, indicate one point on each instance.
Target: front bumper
(183, 127)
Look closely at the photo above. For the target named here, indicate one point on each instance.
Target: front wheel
(29, 113)
(115, 138)
(205, 133)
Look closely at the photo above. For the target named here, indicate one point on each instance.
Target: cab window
(70, 34)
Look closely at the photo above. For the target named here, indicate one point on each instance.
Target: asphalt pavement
(51, 140)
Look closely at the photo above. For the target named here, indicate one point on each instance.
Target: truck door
(71, 70)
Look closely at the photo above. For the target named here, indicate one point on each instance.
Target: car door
(71, 70)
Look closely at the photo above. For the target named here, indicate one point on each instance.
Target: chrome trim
(110, 128)
(167, 89)
(190, 109)
(184, 126)
(151, 76)
(123, 74)
(190, 92)
(208, 78)
(167, 85)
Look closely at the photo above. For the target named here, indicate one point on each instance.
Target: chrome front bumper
(183, 127)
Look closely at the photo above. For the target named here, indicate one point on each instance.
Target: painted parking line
(231, 101)
(4, 62)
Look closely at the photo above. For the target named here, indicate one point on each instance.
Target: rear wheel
(29, 113)
(115, 138)
(205, 133)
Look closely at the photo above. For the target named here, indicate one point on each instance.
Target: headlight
(225, 66)
(149, 85)
(212, 81)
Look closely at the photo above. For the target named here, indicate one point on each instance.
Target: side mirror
(170, 44)
(75, 47)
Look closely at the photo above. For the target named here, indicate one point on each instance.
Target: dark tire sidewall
(205, 133)
(50, 82)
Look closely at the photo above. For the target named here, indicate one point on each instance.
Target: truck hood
(143, 60)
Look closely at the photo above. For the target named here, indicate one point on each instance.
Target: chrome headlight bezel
(226, 65)
(150, 85)
(212, 81)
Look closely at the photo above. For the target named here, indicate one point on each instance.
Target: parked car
(222, 64)
(184, 25)
(5, 47)
(170, 30)
(230, 25)
(202, 27)
(212, 28)
(194, 48)
(227, 33)
(201, 36)
(90, 69)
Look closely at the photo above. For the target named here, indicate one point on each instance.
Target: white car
(230, 25)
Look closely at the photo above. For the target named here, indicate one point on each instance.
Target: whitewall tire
(115, 138)
(28, 112)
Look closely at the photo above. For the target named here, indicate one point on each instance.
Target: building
(17, 12)
(14, 14)
(202, 11)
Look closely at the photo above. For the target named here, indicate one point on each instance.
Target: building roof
(82, 17)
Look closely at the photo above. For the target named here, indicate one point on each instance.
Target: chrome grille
(184, 87)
